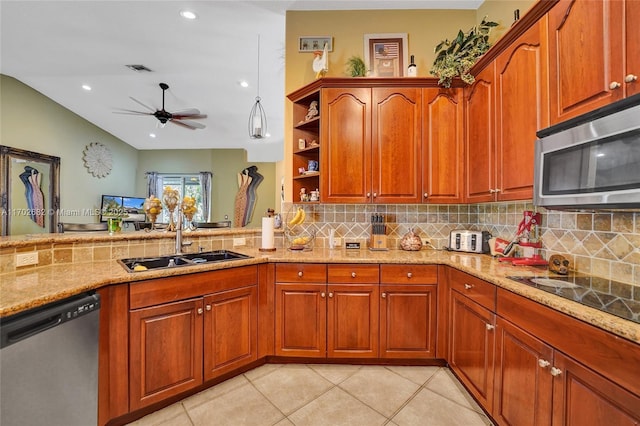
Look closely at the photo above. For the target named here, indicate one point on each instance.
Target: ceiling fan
(181, 118)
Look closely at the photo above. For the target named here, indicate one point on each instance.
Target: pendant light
(257, 117)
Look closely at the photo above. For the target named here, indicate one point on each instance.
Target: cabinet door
(301, 320)
(632, 74)
(472, 347)
(408, 321)
(352, 320)
(521, 110)
(230, 330)
(585, 56)
(165, 351)
(582, 397)
(345, 132)
(396, 145)
(442, 146)
(480, 128)
(523, 384)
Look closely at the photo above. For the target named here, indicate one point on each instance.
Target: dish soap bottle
(412, 69)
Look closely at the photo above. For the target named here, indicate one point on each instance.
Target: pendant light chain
(257, 117)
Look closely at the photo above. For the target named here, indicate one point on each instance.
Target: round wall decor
(97, 159)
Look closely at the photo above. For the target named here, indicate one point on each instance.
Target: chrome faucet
(179, 243)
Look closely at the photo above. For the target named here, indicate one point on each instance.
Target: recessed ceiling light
(187, 14)
(243, 83)
(152, 135)
(86, 87)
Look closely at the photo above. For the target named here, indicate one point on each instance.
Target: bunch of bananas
(299, 217)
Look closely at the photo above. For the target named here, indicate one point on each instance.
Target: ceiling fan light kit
(257, 117)
(181, 118)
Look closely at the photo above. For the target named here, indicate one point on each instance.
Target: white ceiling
(57, 46)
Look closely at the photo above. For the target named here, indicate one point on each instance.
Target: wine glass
(170, 198)
(188, 210)
(152, 207)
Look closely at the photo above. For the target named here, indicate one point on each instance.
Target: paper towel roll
(267, 233)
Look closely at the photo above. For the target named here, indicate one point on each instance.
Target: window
(186, 184)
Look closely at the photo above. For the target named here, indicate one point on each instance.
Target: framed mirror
(29, 192)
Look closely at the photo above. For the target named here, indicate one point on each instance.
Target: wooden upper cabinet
(632, 74)
(346, 143)
(396, 145)
(521, 110)
(442, 146)
(586, 55)
(480, 128)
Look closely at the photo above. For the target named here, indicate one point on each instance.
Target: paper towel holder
(269, 229)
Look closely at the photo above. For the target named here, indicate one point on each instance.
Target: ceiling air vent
(138, 68)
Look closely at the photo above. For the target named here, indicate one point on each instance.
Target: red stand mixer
(526, 240)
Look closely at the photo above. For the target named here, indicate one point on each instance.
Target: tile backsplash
(605, 244)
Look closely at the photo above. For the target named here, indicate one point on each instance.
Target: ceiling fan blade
(140, 103)
(189, 111)
(188, 124)
(130, 111)
(188, 116)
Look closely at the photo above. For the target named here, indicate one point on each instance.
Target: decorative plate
(97, 159)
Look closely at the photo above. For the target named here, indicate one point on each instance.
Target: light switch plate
(239, 242)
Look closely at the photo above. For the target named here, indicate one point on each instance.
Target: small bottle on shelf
(412, 69)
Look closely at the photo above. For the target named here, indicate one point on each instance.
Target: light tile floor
(328, 395)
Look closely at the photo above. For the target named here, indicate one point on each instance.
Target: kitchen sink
(139, 264)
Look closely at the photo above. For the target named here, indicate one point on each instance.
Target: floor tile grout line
(284, 416)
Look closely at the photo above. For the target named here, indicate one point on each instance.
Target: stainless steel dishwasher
(49, 364)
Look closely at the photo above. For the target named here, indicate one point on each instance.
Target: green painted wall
(31, 121)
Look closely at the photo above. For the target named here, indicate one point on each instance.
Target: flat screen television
(130, 207)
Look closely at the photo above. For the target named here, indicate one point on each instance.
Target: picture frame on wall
(314, 43)
(386, 55)
(29, 192)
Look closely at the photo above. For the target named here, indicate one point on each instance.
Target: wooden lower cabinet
(471, 350)
(301, 320)
(165, 351)
(522, 384)
(230, 330)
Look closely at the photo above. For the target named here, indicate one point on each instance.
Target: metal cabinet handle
(543, 363)
(409, 275)
(383, 295)
(468, 286)
(555, 371)
(614, 85)
(368, 195)
(199, 311)
(425, 195)
(353, 275)
(490, 327)
(496, 190)
(208, 307)
(375, 194)
(330, 294)
(491, 191)
(630, 78)
(322, 294)
(300, 274)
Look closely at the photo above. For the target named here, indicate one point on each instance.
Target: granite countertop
(22, 290)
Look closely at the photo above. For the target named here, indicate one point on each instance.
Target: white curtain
(205, 186)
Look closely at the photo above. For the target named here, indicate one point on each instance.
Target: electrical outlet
(425, 242)
(239, 242)
(26, 259)
(337, 242)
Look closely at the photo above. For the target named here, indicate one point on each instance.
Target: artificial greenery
(455, 58)
(356, 67)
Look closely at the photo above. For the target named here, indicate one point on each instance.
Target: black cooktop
(615, 298)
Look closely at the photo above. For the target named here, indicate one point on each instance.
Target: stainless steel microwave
(592, 161)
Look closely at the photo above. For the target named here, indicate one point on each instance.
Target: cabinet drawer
(301, 273)
(170, 289)
(357, 274)
(474, 288)
(409, 274)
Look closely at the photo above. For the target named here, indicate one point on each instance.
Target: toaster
(469, 241)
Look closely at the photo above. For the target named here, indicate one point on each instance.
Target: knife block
(378, 242)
